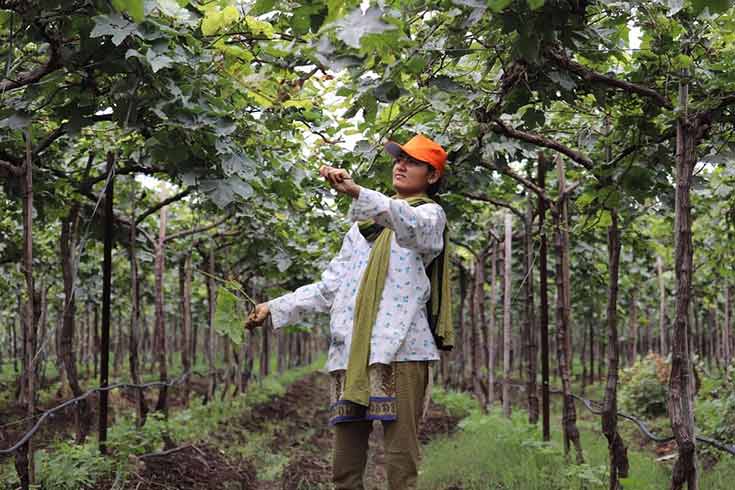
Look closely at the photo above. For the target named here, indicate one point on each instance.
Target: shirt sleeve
(419, 228)
(312, 298)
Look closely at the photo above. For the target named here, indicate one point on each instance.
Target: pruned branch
(131, 169)
(565, 63)
(195, 231)
(491, 200)
(11, 169)
(633, 148)
(165, 202)
(521, 180)
(32, 76)
(500, 127)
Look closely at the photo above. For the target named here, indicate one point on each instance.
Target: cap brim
(393, 149)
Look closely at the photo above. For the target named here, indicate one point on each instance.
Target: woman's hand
(257, 316)
(340, 180)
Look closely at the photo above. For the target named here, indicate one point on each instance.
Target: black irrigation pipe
(595, 408)
(51, 411)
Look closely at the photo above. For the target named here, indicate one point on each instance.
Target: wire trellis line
(88, 393)
(596, 408)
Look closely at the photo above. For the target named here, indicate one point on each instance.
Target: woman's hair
(437, 186)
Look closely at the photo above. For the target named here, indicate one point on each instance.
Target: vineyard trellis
(606, 127)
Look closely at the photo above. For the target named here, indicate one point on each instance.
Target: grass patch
(67, 466)
(494, 452)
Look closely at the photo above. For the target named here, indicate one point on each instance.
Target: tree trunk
(633, 326)
(119, 344)
(569, 414)
(16, 325)
(726, 352)
(135, 322)
(543, 303)
(591, 347)
(507, 282)
(185, 293)
(211, 299)
(67, 245)
(661, 305)
(461, 354)
(29, 368)
(530, 333)
(583, 360)
(681, 403)
(106, 303)
(468, 334)
(265, 350)
(617, 452)
(649, 329)
(715, 334)
(96, 339)
(160, 335)
(478, 325)
(492, 336)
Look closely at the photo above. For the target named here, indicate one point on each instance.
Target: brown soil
(194, 467)
(297, 424)
(310, 461)
(298, 421)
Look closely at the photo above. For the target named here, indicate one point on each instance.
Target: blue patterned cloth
(401, 331)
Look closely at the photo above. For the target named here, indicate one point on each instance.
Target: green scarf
(439, 306)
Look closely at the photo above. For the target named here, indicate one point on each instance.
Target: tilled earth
(298, 434)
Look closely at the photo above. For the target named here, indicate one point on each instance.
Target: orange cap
(421, 148)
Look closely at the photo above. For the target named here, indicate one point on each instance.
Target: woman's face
(411, 176)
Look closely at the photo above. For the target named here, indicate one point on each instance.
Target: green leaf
(240, 187)
(498, 5)
(133, 7)
(352, 28)
(535, 4)
(113, 25)
(16, 121)
(387, 92)
(157, 61)
(257, 26)
(675, 6)
(534, 118)
(714, 6)
(214, 19)
(262, 6)
(230, 15)
(227, 318)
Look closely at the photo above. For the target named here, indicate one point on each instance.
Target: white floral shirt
(401, 331)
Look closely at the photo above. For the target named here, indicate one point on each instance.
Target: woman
(390, 312)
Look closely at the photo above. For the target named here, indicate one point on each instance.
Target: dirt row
(298, 431)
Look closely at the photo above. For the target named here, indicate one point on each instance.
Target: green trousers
(401, 442)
